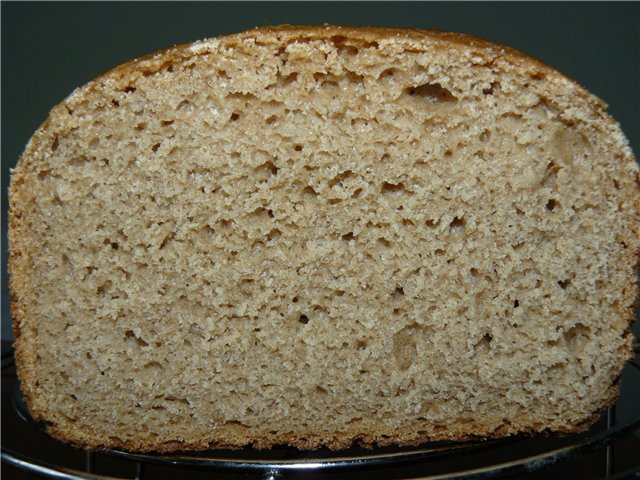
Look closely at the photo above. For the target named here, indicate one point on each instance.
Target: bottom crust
(342, 441)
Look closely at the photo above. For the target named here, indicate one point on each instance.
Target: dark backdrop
(48, 49)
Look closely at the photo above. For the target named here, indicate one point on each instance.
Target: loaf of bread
(323, 236)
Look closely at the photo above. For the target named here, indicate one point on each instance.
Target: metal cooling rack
(283, 463)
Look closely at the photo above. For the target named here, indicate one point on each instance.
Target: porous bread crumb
(317, 236)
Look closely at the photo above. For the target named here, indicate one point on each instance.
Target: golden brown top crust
(291, 33)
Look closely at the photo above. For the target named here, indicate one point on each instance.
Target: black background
(48, 49)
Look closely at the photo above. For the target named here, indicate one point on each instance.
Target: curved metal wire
(527, 464)
(49, 470)
(272, 468)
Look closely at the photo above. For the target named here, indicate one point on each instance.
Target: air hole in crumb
(404, 346)
(298, 148)
(348, 236)
(166, 240)
(140, 127)
(577, 334)
(518, 211)
(54, 145)
(384, 242)
(340, 293)
(388, 74)
(408, 223)
(439, 252)
(234, 116)
(289, 79)
(183, 104)
(294, 299)
(448, 153)
(325, 80)
(564, 283)
(129, 89)
(433, 92)
(78, 161)
(303, 319)
(268, 166)
(91, 269)
(392, 187)
(516, 303)
(474, 272)
(130, 334)
(551, 204)
(273, 234)
(457, 224)
(339, 178)
(355, 78)
(115, 103)
(432, 223)
(398, 292)
(341, 46)
(308, 190)
(356, 193)
(491, 88)
(166, 123)
(113, 245)
(155, 147)
(538, 76)
(361, 344)
(334, 201)
(271, 120)
(616, 185)
(485, 135)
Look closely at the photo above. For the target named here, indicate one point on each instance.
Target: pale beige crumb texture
(320, 236)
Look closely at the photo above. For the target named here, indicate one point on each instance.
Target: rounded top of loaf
(477, 50)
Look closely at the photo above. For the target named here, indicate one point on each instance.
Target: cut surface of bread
(321, 236)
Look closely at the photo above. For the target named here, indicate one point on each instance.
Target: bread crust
(154, 62)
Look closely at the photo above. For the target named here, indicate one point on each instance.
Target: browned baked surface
(320, 236)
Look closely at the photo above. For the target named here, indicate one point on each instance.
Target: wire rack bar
(49, 470)
(611, 421)
(278, 468)
(89, 462)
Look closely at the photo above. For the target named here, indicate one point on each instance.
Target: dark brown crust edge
(24, 357)
(370, 441)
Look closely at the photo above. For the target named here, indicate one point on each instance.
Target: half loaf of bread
(321, 236)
